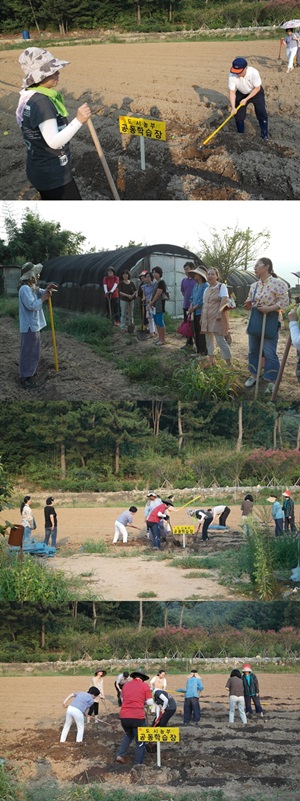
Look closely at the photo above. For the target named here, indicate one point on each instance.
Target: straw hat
(30, 270)
(198, 271)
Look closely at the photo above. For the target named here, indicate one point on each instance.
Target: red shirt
(109, 281)
(153, 517)
(134, 695)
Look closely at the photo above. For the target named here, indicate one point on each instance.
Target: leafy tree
(232, 249)
(37, 240)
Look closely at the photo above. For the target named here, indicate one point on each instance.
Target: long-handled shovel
(262, 338)
(220, 126)
(53, 334)
(142, 334)
(282, 366)
(102, 158)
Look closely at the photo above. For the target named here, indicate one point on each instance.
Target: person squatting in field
(76, 712)
(136, 694)
(42, 116)
(245, 87)
(235, 687)
(124, 519)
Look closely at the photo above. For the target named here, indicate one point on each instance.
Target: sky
(112, 224)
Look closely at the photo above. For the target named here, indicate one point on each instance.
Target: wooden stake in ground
(102, 158)
(53, 334)
(281, 369)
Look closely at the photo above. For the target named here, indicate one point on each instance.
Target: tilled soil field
(107, 576)
(258, 760)
(84, 375)
(185, 85)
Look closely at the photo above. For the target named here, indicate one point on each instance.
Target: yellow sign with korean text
(184, 530)
(138, 126)
(158, 734)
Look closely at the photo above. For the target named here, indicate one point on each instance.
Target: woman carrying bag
(267, 296)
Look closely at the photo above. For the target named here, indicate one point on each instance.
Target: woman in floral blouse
(269, 294)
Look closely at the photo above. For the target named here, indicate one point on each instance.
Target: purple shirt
(125, 518)
(82, 701)
(186, 287)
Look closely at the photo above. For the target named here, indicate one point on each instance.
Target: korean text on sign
(138, 126)
(158, 734)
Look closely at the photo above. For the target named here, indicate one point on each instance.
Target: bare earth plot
(259, 760)
(185, 85)
(83, 375)
(121, 576)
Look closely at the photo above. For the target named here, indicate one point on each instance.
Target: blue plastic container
(25, 35)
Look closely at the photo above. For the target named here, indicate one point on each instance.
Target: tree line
(156, 15)
(92, 445)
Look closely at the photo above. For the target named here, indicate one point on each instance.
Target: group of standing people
(138, 695)
(283, 513)
(29, 524)
(120, 296)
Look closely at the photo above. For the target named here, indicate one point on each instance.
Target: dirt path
(258, 759)
(184, 84)
(83, 375)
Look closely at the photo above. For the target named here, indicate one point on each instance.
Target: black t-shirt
(49, 510)
(160, 302)
(128, 289)
(46, 167)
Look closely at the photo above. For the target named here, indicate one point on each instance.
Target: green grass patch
(91, 546)
(197, 574)
(198, 562)
(147, 595)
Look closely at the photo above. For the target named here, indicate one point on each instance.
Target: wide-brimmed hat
(151, 493)
(38, 64)
(198, 271)
(238, 66)
(272, 498)
(100, 670)
(246, 669)
(138, 674)
(30, 270)
(286, 494)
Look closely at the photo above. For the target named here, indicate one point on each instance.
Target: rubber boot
(264, 129)
(240, 126)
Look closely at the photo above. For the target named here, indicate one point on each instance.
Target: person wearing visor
(42, 116)
(245, 87)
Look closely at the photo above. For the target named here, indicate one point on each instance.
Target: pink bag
(186, 328)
